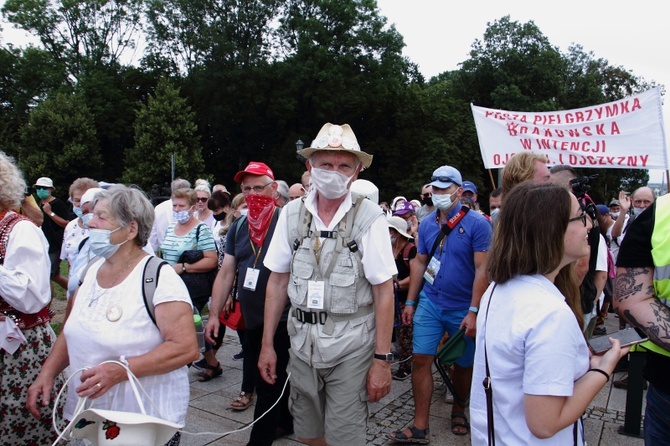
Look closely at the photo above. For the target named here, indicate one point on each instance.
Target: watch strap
(388, 357)
(474, 309)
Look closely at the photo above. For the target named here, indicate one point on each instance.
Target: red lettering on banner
(604, 161)
(526, 143)
(615, 129)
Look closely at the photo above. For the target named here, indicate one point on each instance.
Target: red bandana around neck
(259, 215)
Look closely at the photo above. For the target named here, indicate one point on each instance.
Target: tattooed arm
(634, 300)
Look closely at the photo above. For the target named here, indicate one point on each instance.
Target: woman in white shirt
(530, 324)
(107, 320)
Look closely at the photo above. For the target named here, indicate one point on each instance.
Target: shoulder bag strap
(488, 388)
(446, 229)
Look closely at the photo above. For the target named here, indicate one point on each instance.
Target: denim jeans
(657, 418)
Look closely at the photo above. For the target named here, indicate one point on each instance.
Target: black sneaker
(600, 331)
(238, 356)
(401, 375)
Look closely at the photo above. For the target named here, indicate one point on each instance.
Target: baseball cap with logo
(44, 182)
(404, 207)
(469, 186)
(254, 168)
(444, 176)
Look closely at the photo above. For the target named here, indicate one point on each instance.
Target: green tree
(26, 77)
(163, 127)
(60, 141)
(79, 33)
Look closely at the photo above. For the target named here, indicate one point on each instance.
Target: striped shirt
(174, 245)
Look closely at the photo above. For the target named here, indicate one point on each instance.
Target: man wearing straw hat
(331, 255)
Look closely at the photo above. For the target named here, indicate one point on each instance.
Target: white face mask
(244, 211)
(181, 216)
(638, 211)
(614, 215)
(99, 243)
(331, 184)
(442, 202)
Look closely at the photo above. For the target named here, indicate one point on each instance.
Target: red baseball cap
(254, 168)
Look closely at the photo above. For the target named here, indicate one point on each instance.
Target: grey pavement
(209, 412)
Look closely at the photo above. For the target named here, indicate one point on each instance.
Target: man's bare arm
(634, 299)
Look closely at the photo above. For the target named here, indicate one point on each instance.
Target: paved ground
(209, 410)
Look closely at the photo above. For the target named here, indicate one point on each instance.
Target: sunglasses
(202, 200)
(41, 188)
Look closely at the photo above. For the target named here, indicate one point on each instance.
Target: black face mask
(428, 201)
(219, 216)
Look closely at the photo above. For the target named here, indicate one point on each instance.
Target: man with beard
(247, 243)
(331, 255)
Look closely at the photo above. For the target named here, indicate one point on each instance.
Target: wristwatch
(53, 214)
(387, 357)
(474, 309)
(183, 267)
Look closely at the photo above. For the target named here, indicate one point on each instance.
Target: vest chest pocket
(301, 272)
(343, 293)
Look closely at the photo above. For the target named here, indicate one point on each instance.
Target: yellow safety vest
(660, 251)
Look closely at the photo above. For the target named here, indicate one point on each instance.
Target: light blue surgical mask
(442, 202)
(99, 242)
(77, 211)
(86, 218)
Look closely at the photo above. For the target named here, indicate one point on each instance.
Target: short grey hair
(12, 184)
(282, 189)
(128, 204)
(180, 183)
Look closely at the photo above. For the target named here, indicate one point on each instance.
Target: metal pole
(172, 162)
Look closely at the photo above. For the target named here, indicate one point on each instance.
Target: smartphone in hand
(628, 336)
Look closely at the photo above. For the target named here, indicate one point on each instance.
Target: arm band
(410, 303)
(602, 372)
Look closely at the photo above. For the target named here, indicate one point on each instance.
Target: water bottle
(199, 332)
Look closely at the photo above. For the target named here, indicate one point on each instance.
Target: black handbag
(199, 285)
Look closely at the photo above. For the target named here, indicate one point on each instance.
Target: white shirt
(24, 276)
(535, 347)
(72, 237)
(92, 338)
(162, 219)
(378, 262)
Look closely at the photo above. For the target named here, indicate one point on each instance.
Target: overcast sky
(439, 34)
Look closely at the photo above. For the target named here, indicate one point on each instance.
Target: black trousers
(264, 431)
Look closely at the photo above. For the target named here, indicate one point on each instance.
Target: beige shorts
(331, 402)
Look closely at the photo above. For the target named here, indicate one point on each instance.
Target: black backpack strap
(150, 276)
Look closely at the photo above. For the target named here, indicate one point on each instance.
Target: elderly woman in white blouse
(107, 320)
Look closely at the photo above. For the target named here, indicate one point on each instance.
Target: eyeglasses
(257, 189)
(581, 217)
(202, 199)
(443, 180)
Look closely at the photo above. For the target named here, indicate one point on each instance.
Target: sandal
(216, 370)
(455, 425)
(419, 436)
(243, 401)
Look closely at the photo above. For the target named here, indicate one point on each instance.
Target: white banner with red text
(625, 134)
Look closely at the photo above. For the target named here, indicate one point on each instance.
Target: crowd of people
(340, 294)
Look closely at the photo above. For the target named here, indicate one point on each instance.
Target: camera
(581, 185)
